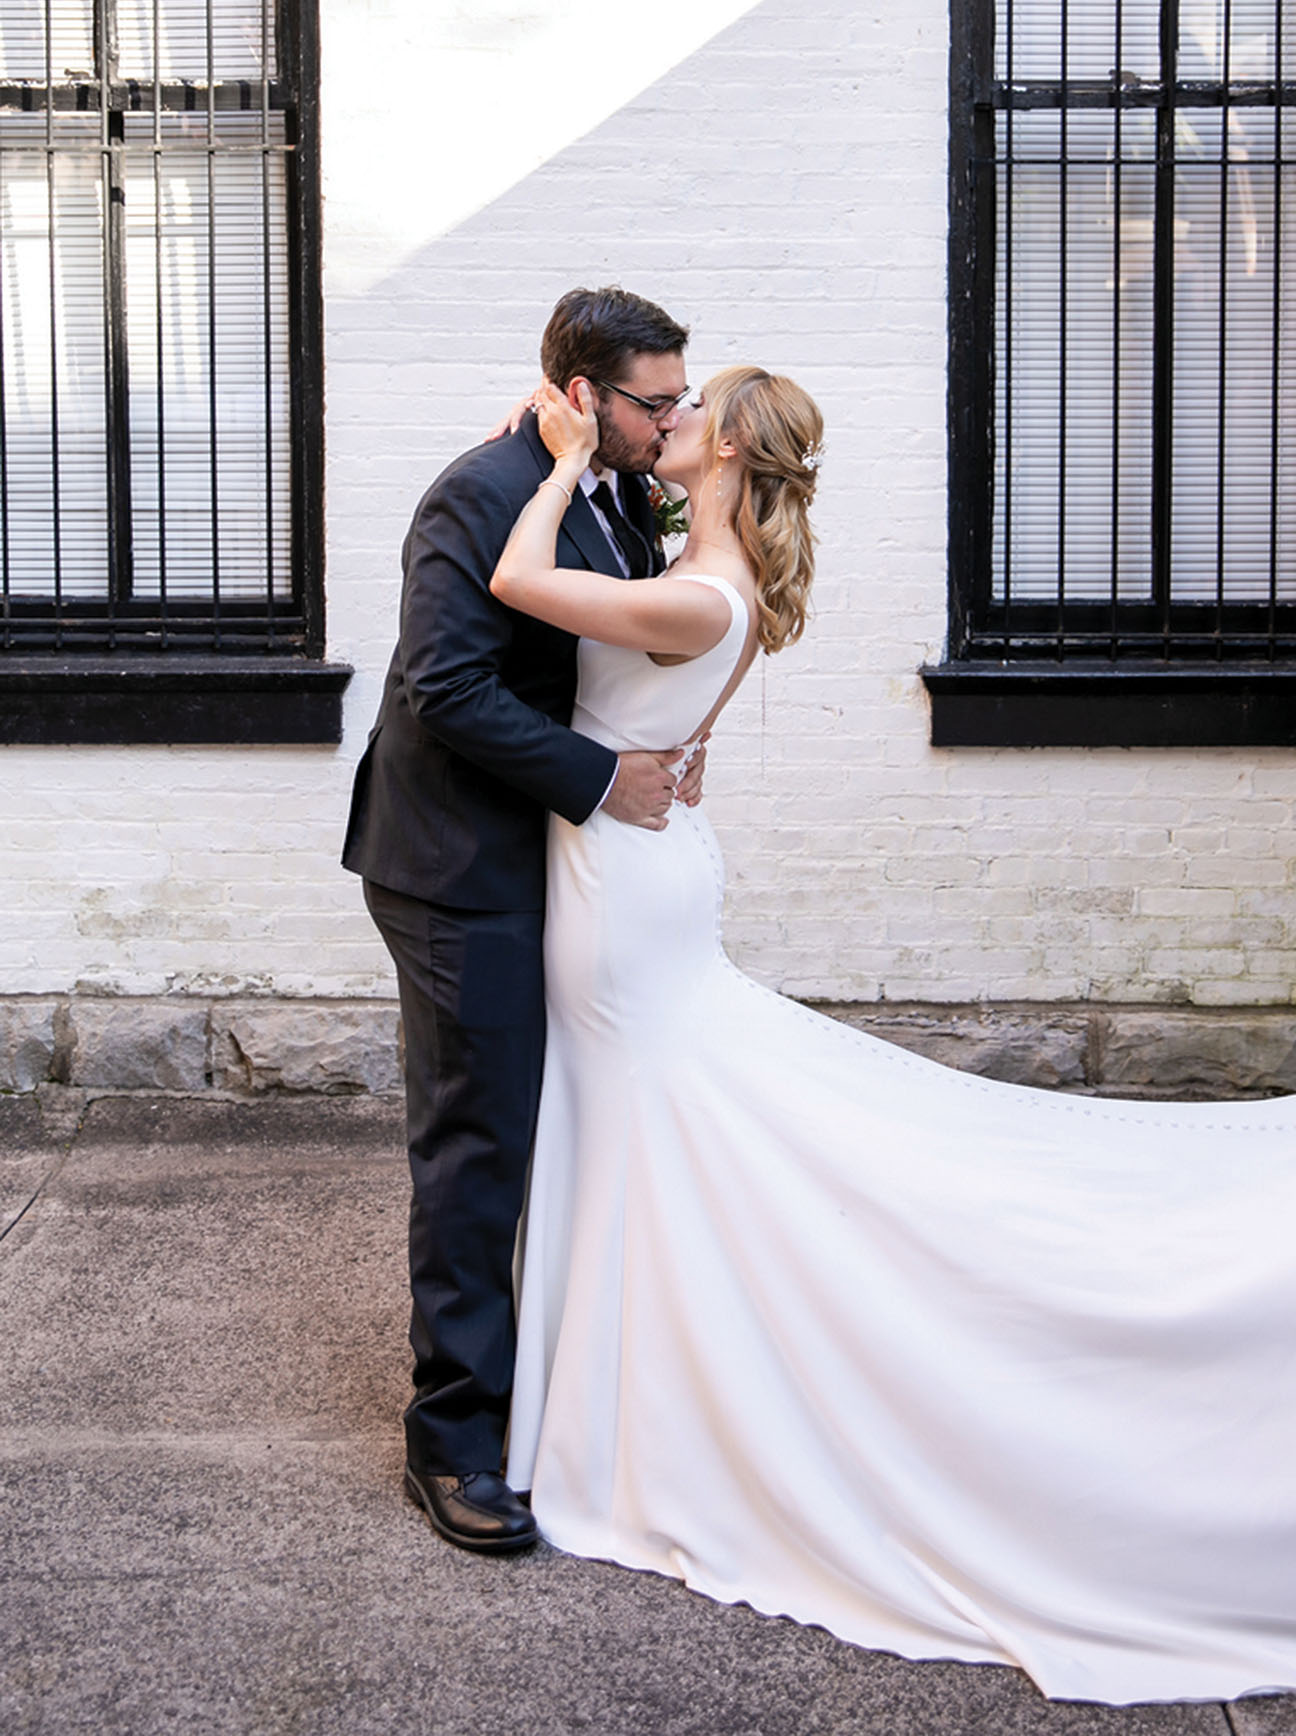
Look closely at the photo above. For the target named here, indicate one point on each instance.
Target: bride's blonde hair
(776, 431)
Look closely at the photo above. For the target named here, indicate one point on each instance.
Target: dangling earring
(719, 477)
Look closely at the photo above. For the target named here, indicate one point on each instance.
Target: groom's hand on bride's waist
(644, 788)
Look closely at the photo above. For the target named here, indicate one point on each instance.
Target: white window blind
(1145, 304)
(207, 347)
(145, 453)
(170, 40)
(52, 294)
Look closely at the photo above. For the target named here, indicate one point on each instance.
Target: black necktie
(628, 540)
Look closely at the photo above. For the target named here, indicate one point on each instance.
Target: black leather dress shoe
(477, 1511)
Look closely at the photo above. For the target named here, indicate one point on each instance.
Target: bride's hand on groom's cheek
(571, 427)
(569, 430)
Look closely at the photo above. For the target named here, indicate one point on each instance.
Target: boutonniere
(670, 517)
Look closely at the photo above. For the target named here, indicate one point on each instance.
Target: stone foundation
(191, 1045)
(337, 1047)
(1112, 1050)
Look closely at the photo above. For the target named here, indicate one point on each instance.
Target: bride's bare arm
(662, 615)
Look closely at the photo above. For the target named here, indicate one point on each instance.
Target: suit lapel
(584, 531)
(580, 529)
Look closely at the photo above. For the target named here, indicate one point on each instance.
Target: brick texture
(782, 187)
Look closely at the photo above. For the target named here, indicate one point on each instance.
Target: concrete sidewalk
(202, 1366)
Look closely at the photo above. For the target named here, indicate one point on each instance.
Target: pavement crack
(41, 1185)
(54, 1169)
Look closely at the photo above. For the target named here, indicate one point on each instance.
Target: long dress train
(952, 1368)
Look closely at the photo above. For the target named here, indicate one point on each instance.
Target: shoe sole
(478, 1545)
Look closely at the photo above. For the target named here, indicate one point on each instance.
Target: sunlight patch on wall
(432, 112)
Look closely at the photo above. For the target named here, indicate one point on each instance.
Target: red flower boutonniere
(670, 517)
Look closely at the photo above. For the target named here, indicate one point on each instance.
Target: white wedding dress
(952, 1368)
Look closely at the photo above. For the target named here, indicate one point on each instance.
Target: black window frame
(1065, 672)
(211, 670)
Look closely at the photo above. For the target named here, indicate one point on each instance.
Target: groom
(447, 827)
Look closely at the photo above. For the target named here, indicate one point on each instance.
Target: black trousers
(472, 1003)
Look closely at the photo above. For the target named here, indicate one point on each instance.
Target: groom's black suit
(447, 827)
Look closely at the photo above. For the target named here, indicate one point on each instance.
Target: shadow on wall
(742, 189)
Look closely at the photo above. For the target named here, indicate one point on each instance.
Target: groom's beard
(617, 452)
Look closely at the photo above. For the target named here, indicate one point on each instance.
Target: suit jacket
(471, 746)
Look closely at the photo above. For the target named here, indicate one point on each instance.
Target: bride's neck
(709, 527)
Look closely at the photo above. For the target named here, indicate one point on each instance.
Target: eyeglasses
(656, 408)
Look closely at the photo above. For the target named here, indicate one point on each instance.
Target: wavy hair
(776, 431)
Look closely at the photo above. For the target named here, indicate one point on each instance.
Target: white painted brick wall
(782, 187)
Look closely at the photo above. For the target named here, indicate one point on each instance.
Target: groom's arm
(455, 641)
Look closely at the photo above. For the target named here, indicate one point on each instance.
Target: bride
(952, 1368)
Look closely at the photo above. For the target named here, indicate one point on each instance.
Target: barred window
(159, 339)
(1123, 356)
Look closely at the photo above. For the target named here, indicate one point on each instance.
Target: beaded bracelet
(551, 482)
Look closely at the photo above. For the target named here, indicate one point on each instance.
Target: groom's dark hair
(599, 332)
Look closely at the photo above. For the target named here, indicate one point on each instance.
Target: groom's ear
(573, 389)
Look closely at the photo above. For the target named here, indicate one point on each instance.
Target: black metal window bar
(153, 370)
(1123, 336)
